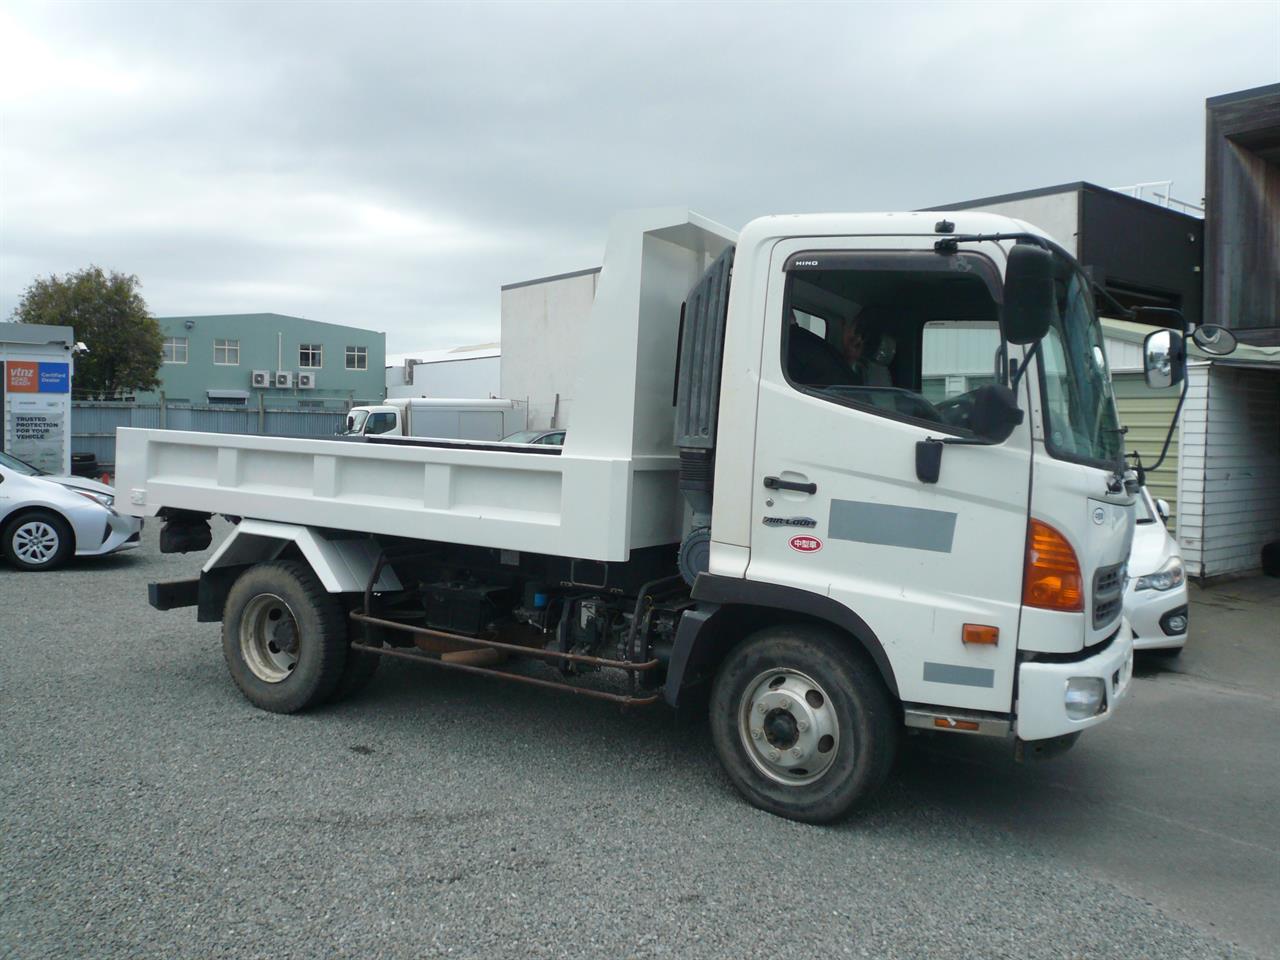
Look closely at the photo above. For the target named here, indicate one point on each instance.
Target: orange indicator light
(980, 633)
(946, 723)
(1053, 579)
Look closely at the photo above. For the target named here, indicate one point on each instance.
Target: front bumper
(1146, 609)
(120, 533)
(1042, 687)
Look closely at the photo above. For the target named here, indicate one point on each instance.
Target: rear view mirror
(1029, 298)
(1214, 339)
(1164, 358)
(1162, 508)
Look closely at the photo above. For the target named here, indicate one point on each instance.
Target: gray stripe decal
(892, 526)
(962, 676)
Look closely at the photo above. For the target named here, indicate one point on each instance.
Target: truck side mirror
(1162, 508)
(1164, 359)
(1214, 339)
(1029, 297)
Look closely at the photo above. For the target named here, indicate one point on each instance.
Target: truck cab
(368, 421)
(953, 483)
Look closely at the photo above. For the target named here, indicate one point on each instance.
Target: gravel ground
(149, 811)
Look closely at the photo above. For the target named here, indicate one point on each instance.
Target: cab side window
(896, 334)
(380, 423)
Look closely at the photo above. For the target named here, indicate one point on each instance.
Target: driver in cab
(869, 361)
(853, 354)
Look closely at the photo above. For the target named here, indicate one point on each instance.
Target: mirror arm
(1177, 411)
(1124, 312)
(1170, 312)
(1032, 354)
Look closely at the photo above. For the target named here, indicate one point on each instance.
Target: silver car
(46, 519)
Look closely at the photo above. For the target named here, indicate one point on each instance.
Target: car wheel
(37, 541)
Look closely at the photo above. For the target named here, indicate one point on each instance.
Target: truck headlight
(1166, 578)
(1086, 697)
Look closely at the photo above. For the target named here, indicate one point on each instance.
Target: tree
(111, 318)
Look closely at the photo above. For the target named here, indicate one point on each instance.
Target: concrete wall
(470, 379)
(544, 324)
(259, 334)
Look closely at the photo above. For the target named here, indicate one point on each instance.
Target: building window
(175, 350)
(226, 353)
(311, 356)
(311, 404)
(227, 401)
(357, 358)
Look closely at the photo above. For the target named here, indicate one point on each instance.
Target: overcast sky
(391, 165)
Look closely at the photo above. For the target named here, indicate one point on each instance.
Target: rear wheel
(803, 724)
(284, 637)
(37, 541)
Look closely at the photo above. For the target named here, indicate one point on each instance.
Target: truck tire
(284, 637)
(802, 723)
(37, 541)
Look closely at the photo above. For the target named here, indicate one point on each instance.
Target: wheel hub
(788, 727)
(269, 639)
(781, 729)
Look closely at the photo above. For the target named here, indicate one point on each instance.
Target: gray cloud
(392, 164)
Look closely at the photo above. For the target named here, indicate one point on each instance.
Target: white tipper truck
(771, 505)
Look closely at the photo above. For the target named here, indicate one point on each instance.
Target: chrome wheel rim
(269, 638)
(789, 727)
(35, 542)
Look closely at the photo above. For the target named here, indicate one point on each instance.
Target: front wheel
(284, 638)
(802, 723)
(37, 541)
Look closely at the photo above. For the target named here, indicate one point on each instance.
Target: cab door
(838, 508)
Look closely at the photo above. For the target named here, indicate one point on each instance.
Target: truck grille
(1108, 594)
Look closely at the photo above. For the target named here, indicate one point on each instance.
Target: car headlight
(1166, 578)
(101, 499)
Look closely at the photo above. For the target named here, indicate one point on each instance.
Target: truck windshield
(1079, 408)
(355, 421)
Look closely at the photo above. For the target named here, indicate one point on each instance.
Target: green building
(248, 359)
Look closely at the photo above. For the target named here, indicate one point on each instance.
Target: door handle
(777, 483)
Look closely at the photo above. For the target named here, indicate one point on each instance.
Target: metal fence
(94, 423)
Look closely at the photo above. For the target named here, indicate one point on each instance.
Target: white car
(46, 519)
(1155, 598)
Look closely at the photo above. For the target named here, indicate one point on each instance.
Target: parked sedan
(46, 519)
(546, 438)
(1155, 599)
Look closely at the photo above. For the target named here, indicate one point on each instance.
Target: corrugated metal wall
(93, 424)
(1229, 471)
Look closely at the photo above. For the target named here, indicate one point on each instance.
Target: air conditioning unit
(284, 379)
(306, 381)
(261, 379)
